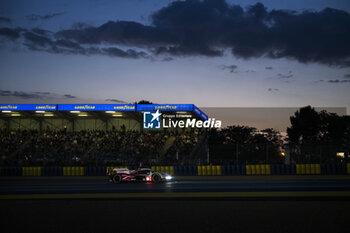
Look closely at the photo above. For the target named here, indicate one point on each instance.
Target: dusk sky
(210, 53)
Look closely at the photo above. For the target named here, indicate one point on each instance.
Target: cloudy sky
(213, 53)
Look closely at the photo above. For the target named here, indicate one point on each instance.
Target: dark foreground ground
(191, 204)
(329, 216)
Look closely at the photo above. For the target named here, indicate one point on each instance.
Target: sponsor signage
(96, 107)
(165, 107)
(28, 107)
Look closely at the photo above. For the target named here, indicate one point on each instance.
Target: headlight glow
(168, 177)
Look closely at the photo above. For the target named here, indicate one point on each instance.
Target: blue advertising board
(200, 113)
(96, 107)
(28, 107)
(165, 107)
(104, 107)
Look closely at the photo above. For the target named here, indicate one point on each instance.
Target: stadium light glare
(40, 111)
(74, 111)
(111, 112)
(6, 111)
(83, 114)
(15, 114)
(117, 115)
(48, 115)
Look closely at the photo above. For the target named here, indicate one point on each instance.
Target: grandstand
(95, 134)
(77, 117)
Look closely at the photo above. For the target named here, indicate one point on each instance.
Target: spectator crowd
(95, 147)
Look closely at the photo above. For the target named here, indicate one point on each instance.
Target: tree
(317, 136)
(144, 102)
(245, 144)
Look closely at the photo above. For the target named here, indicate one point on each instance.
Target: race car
(119, 175)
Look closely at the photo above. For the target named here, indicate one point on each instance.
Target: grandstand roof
(98, 110)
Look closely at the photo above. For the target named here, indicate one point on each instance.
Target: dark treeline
(312, 137)
(318, 136)
(243, 144)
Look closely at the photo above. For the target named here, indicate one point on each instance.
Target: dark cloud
(68, 44)
(35, 17)
(273, 89)
(41, 42)
(70, 96)
(41, 31)
(115, 101)
(347, 76)
(5, 93)
(5, 20)
(37, 40)
(168, 59)
(20, 94)
(120, 32)
(338, 81)
(80, 25)
(285, 76)
(10, 33)
(34, 95)
(43, 93)
(231, 68)
(208, 27)
(268, 68)
(130, 53)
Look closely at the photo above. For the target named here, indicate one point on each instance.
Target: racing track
(244, 186)
(283, 204)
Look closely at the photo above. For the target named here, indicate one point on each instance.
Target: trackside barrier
(189, 170)
(51, 171)
(330, 169)
(209, 170)
(257, 169)
(308, 169)
(166, 169)
(283, 169)
(73, 171)
(230, 170)
(95, 171)
(11, 171)
(31, 171)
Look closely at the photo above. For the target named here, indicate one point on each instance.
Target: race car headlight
(168, 177)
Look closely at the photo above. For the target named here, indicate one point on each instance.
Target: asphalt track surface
(84, 187)
(190, 204)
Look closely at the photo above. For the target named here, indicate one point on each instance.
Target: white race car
(119, 175)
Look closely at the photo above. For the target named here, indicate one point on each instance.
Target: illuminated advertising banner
(200, 113)
(165, 107)
(104, 107)
(96, 107)
(172, 107)
(28, 107)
